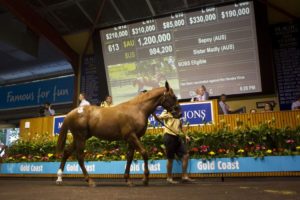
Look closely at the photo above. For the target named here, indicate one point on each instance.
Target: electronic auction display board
(215, 47)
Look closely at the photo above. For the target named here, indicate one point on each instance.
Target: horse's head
(170, 103)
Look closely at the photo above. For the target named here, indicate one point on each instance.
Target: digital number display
(214, 46)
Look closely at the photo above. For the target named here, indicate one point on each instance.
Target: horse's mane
(142, 96)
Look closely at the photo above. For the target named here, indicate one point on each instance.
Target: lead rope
(162, 123)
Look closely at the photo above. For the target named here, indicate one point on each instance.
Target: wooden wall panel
(282, 119)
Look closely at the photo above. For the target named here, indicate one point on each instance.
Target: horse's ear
(167, 86)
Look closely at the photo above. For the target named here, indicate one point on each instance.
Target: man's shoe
(187, 180)
(171, 181)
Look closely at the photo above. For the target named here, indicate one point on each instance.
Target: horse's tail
(61, 142)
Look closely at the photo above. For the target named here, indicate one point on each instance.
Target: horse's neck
(151, 100)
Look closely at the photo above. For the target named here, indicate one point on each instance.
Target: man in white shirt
(48, 111)
(83, 101)
(296, 104)
(223, 107)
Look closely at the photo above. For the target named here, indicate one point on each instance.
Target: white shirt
(295, 105)
(84, 103)
(49, 112)
(224, 107)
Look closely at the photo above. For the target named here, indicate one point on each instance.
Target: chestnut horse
(126, 121)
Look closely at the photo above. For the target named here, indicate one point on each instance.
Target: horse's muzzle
(177, 114)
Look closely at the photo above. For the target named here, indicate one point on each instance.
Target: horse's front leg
(130, 154)
(139, 147)
(80, 157)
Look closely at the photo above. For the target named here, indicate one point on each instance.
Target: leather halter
(169, 109)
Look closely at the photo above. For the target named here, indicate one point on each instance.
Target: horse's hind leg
(133, 139)
(80, 144)
(130, 154)
(67, 153)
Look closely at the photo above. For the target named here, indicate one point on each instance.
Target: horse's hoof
(130, 184)
(145, 182)
(59, 182)
(92, 184)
